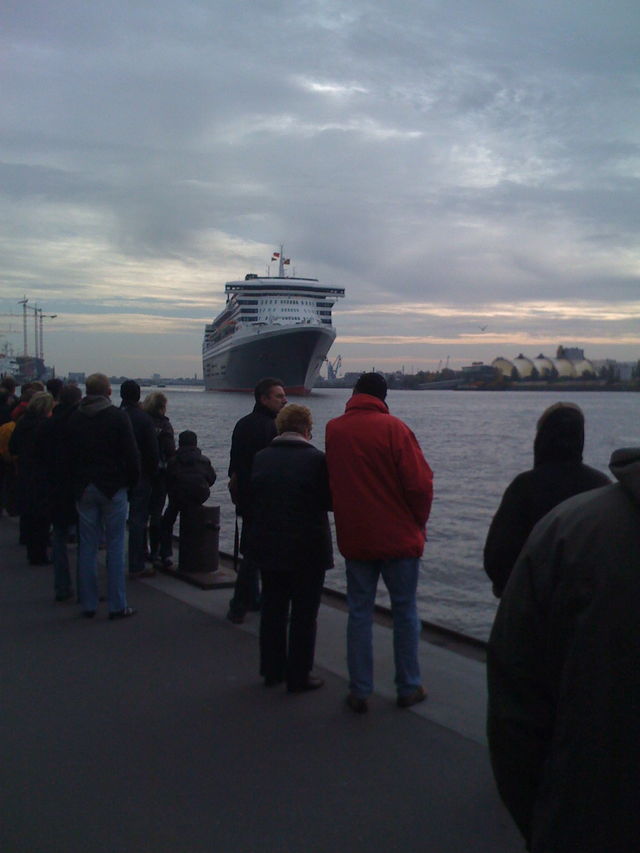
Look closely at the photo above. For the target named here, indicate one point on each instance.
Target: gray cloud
(461, 153)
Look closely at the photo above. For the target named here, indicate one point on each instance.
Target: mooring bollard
(199, 539)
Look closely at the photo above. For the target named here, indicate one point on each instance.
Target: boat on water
(271, 326)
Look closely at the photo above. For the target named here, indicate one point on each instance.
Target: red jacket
(381, 484)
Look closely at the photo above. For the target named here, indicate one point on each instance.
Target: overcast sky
(453, 165)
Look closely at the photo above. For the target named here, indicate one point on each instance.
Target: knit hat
(187, 438)
(130, 391)
(371, 383)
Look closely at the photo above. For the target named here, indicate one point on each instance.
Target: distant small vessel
(271, 326)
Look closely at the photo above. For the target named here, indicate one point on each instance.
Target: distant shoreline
(457, 385)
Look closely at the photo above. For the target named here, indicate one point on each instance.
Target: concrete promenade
(156, 734)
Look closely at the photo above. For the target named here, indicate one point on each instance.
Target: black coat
(105, 452)
(54, 454)
(145, 432)
(251, 434)
(189, 475)
(31, 483)
(558, 474)
(166, 438)
(288, 501)
(563, 667)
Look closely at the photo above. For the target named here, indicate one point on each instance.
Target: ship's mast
(281, 264)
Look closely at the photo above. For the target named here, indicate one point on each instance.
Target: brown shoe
(409, 699)
(312, 683)
(357, 704)
(145, 573)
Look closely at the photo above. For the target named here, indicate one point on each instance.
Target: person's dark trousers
(156, 506)
(10, 490)
(246, 592)
(36, 532)
(138, 516)
(60, 557)
(2, 486)
(166, 530)
(298, 591)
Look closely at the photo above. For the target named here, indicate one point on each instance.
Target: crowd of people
(562, 553)
(77, 468)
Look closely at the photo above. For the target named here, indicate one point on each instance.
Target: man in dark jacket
(105, 463)
(558, 473)
(189, 476)
(252, 433)
(563, 669)
(140, 495)
(290, 541)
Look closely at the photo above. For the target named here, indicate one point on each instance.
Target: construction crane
(333, 367)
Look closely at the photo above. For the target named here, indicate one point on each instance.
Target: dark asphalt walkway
(155, 734)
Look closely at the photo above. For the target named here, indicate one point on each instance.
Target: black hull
(293, 355)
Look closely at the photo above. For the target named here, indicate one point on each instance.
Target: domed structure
(584, 366)
(543, 365)
(564, 367)
(524, 366)
(503, 365)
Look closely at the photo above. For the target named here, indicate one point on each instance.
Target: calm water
(476, 442)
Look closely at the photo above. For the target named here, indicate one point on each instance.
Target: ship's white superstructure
(271, 326)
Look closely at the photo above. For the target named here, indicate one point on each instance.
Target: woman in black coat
(54, 453)
(31, 484)
(155, 405)
(290, 541)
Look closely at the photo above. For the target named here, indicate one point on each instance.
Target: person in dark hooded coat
(558, 473)
(563, 671)
(189, 476)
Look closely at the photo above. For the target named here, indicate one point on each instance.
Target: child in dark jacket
(189, 476)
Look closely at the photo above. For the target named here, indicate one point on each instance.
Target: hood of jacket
(560, 435)
(625, 467)
(366, 402)
(94, 404)
(188, 455)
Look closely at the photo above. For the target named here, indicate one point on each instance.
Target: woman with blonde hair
(290, 541)
(155, 405)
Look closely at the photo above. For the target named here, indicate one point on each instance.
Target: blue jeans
(401, 579)
(95, 511)
(139, 497)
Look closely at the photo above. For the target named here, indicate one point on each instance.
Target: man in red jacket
(382, 489)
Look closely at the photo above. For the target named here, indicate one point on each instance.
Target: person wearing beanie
(382, 487)
(189, 476)
(558, 473)
(140, 495)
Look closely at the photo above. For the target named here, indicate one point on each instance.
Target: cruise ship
(270, 326)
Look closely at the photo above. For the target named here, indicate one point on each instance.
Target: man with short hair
(563, 667)
(252, 433)
(382, 489)
(140, 495)
(105, 463)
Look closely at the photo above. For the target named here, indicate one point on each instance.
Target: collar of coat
(367, 402)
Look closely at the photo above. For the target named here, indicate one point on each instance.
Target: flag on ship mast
(275, 256)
